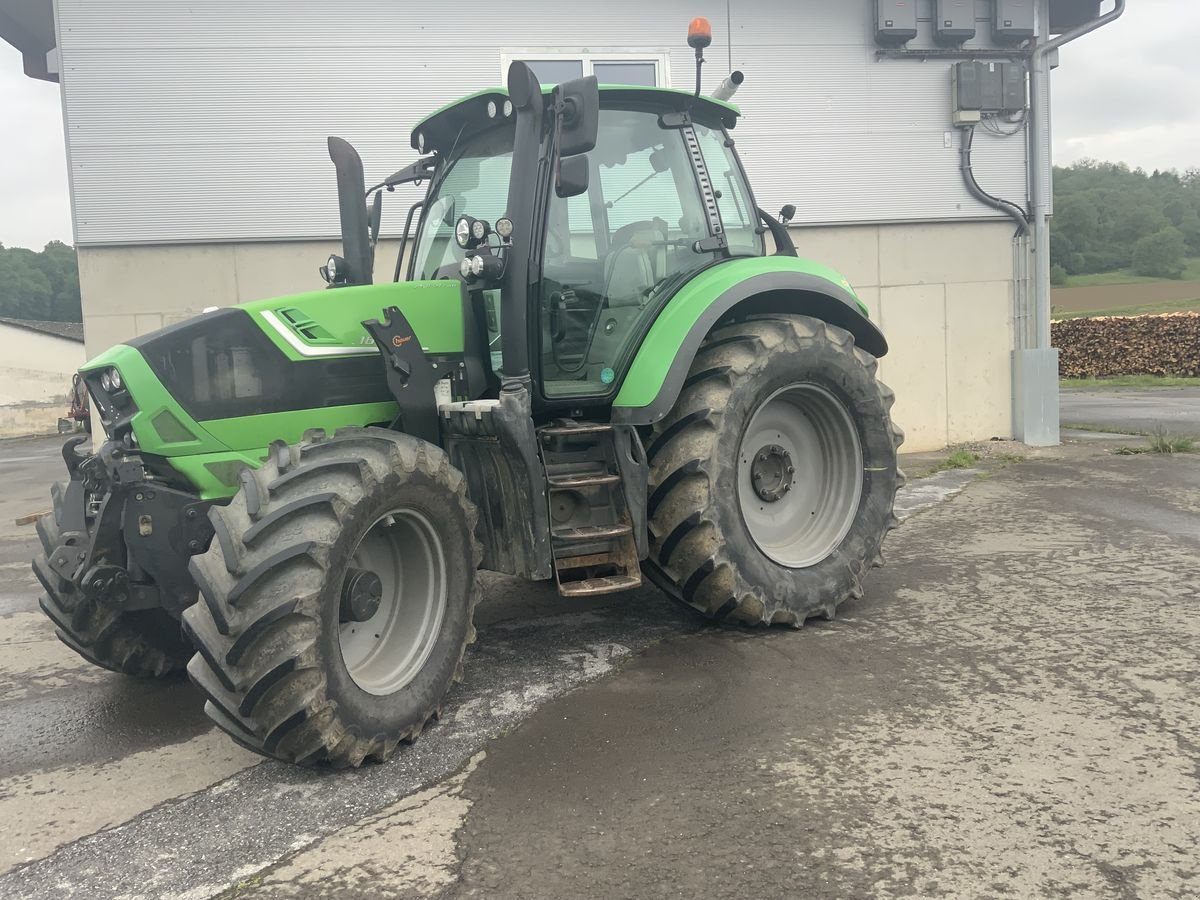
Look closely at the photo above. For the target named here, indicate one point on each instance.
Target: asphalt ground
(1176, 410)
(1007, 711)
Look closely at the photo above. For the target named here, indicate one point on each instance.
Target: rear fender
(743, 288)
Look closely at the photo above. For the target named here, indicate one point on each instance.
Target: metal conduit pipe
(1039, 78)
(1008, 208)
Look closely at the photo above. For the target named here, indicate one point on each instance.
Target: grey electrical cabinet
(1068, 14)
(1013, 22)
(1012, 87)
(986, 87)
(954, 21)
(895, 22)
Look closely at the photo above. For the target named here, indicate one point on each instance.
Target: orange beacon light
(699, 33)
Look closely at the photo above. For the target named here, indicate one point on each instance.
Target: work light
(462, 231)
(504, 227)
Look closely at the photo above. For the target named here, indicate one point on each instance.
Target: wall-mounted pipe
(729, 86)
(1039, 79)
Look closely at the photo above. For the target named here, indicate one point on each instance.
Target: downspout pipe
(1039, 77)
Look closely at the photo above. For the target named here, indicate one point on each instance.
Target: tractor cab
(654, 194)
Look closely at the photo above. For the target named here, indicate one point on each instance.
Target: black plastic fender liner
(770, 292)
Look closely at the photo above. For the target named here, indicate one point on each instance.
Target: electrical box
(1013, 22)
(1068, 14)
(977, 88)
(895, 22)
(1012, 87)
(966, 86)
(954, 21)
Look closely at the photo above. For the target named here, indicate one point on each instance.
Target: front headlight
(115, 378)
(106, 380)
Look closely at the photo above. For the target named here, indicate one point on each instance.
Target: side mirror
(577, 105)
(375, 216)
(572, 179)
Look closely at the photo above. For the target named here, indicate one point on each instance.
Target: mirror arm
(421, 169)
(779, 233)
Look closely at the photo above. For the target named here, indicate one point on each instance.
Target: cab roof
(441, 127)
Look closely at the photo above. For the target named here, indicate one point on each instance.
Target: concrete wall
(943, 296)
(941, 293)
(35, 379)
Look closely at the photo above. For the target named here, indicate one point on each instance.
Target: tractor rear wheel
(146, 643)
(773, 479)
(336, 597)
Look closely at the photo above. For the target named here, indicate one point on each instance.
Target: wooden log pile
(1166, 344)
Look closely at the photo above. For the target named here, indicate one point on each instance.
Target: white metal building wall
(205, 120)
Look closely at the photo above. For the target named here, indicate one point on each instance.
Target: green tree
(1102, 210)
(41, 285)
(1160, 254)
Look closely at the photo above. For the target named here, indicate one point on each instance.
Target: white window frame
(660, 57)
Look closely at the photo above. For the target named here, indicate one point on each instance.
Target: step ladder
(591, 529)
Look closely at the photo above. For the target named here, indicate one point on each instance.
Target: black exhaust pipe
(352, 206)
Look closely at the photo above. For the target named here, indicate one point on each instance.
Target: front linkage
(115, 565)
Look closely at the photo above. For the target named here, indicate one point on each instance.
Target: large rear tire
(772, 481)
(146, 643)
(336, 598)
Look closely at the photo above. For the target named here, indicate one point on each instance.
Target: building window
(649, 69)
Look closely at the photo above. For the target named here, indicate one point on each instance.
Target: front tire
(336, 598)
(773, 479)
(146, 643)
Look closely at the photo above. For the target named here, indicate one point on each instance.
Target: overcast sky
(1130, 92)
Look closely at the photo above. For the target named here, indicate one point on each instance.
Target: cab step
(586, 534)
(574, 429)
(580, 481)
(592, 533)
(592, 587)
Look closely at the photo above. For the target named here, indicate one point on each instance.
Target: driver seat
(632, 267)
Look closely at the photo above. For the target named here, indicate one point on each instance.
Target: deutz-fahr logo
(399, 341)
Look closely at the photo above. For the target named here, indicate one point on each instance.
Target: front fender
(747, 285)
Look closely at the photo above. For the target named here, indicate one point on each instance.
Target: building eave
(28, 25)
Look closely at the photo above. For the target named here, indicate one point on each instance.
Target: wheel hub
(800, 474)
(771, 472)
(362, 592)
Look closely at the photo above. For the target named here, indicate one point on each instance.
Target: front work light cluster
(472, 236)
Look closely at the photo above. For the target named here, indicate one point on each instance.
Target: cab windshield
(474, 183)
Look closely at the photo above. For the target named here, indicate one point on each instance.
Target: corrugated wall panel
(207, 121)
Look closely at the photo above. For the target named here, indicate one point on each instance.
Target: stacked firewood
(1128, 345)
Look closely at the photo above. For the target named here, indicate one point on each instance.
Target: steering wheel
(624, 235)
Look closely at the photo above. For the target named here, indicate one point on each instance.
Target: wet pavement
(1176, 410)
(1008, 711)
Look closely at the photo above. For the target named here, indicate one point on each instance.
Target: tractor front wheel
(144, 643)
(336, 597)
(773, 479)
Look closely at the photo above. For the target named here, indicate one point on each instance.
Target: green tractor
(592, 371)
